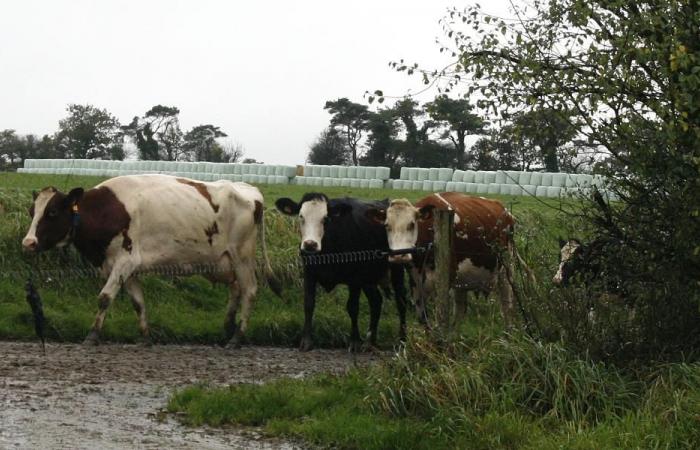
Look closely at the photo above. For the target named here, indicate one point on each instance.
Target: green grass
(492, 393)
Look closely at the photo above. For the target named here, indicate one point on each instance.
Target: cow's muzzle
(30, 244)
(310, 246)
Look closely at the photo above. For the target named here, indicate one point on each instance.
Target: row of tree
(88, 132)
(436, 135)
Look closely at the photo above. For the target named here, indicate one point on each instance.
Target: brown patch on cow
(126, 243)
(202, 189)
(211, 231)
(102, 217)
(257, 215)
(484, 226)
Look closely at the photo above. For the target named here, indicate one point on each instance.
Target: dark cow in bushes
(139, 222)
(332, 226)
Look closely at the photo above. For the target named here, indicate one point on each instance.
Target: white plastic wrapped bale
(535, 178)
(598, 181)
(412, 173)
(403, 175)
(28, 164)
(416, 185)
(585, 180)
(559, 180)
(439, 186)
(383, 173)
(546, 179)
(247, 178)
(346, 182)
(525, 178)
(489, 176)
(360, 172)
(325, 171)
(237, 169)
(281, 179)
(469, 176)
(397, 184)
(427, 186)
(334, 171)
(336, 182)
(342, 172)
(433, 174)
(354, 182)
(445, 174)
(327, 181)
(376, 184)
(494, 188)
(364, 184)
(423, 174)
(513, 189)
(451, 186)
(370, 173)
(530, 189)
(270, 170)
(500, 177)
(478, 177)
(512, 176)
(482, 188)
(553, 191)
(461, 187)
(352, 172)
(457, 176)
(541, 191)
(571, 180)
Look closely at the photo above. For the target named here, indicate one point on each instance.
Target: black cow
(331, 226)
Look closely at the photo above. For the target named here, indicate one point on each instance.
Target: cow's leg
(353, 308)
(461, 302)
(248, 287)
(506, 297)
(419, 294)
(133, 287)
(375, 311)
(121, 271)
(397, 282)
(309, 305)
(234, 294)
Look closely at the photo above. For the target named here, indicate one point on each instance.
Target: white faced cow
(482, 236)
(139, 222)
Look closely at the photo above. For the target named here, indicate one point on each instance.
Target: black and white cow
(330, 226)
(139, 222)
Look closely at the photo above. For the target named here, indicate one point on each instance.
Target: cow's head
(52, 217)
(314, 211)
(570, 255)
(401, 220)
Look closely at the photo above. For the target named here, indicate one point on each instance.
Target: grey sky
(262, 71)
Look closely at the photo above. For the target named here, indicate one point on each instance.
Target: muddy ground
(113, 396)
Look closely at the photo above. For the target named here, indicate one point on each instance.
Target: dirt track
(110, 397)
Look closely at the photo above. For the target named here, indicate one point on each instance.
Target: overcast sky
(261, 71)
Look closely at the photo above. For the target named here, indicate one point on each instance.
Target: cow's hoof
(236, 341)
(306, 344)
(355, 347)
(92, 339)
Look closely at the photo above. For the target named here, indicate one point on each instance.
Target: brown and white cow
(483, 235)
(135, 223)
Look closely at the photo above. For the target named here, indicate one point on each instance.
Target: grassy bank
(487, 393)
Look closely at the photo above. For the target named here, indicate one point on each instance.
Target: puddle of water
(110, 397)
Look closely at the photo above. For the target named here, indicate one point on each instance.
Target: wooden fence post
(442, 246)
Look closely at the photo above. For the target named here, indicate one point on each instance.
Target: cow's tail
(272, 281)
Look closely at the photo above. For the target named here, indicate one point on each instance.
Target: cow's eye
(53, 213)
(411, 226)
(388, 227)
(325, 220)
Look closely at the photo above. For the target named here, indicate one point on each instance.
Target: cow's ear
(35, 194)
(426, 212)
(287, 206)
(339, 209)
(562, 243)
(73, 197)
(376, 215)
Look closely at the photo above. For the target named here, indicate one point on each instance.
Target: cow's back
(180, 221)
(481, 226)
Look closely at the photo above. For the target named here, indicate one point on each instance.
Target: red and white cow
(483, 234)
(135, 223)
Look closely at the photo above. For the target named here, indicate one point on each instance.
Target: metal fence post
(443, 224)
